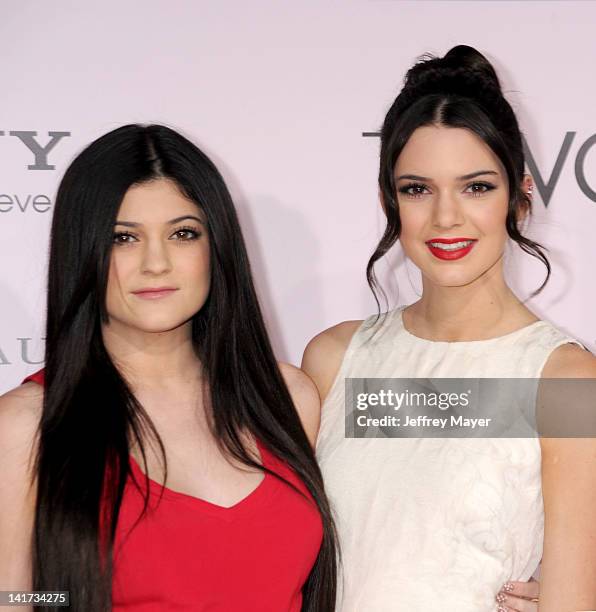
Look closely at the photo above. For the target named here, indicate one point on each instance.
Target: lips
(449, 249)
(154, 293)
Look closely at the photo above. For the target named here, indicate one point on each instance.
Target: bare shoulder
(20, 412)
(305, 397)
(566, 362)
(570, 361)
(325, 352)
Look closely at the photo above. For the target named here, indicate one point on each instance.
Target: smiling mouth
(454, 246)
(450, 248)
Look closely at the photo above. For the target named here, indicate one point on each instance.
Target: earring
(530, 191)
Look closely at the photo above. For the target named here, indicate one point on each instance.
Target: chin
(164, 323)
(160, 327)
(455, 278)
(157, 324)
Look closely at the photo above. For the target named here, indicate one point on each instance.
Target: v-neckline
(245, 504)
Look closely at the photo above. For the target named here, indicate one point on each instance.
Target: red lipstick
(154, 293)
(449, 249)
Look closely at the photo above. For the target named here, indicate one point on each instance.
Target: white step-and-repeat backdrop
(281, 96)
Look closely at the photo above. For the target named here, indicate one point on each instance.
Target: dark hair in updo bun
(459, 90)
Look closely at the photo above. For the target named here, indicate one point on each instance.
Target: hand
(519, 597)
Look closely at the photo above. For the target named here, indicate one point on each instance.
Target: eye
(186, 234)
(121, 238)
(413, 190)
(479, 188)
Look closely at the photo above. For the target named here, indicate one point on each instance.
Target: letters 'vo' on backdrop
(279, 95)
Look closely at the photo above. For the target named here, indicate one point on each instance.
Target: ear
(527, 188)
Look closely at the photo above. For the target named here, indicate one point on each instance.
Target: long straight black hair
(90, 415)
(459, 90)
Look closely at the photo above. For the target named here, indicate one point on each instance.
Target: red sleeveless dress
(188, 554)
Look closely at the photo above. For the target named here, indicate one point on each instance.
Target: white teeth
(451, 247)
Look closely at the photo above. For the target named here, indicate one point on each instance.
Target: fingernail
(508, 587)
(501, 598)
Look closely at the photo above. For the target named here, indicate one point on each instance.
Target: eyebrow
(170, 222)
(465, 177)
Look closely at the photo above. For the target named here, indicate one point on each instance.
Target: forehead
(446, 152)
(155, 201)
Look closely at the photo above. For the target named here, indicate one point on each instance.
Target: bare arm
(20, 410)
(568, 574)
(321, 361)
(325, 352)
(305, 397)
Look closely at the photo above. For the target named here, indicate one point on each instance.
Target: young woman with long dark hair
(441, 523)
(162, 460)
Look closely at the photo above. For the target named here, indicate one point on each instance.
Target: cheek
(412, 219)
(197, 267)
(122, 266)
(490, 220)
(114, 284)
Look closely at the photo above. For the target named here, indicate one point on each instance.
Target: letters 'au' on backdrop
(280, 95)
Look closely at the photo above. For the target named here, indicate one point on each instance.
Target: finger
(510, 603)
(529, 589)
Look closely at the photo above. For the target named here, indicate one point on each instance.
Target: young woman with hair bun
(162, 460)
(441, 523)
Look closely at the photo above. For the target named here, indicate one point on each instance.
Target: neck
(153, 360)
(485, 308)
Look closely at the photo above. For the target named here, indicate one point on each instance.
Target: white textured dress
(431, 524)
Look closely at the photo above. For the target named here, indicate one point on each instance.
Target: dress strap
(38, 377)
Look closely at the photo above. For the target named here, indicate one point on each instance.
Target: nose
(156, 259)
(447, 211)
